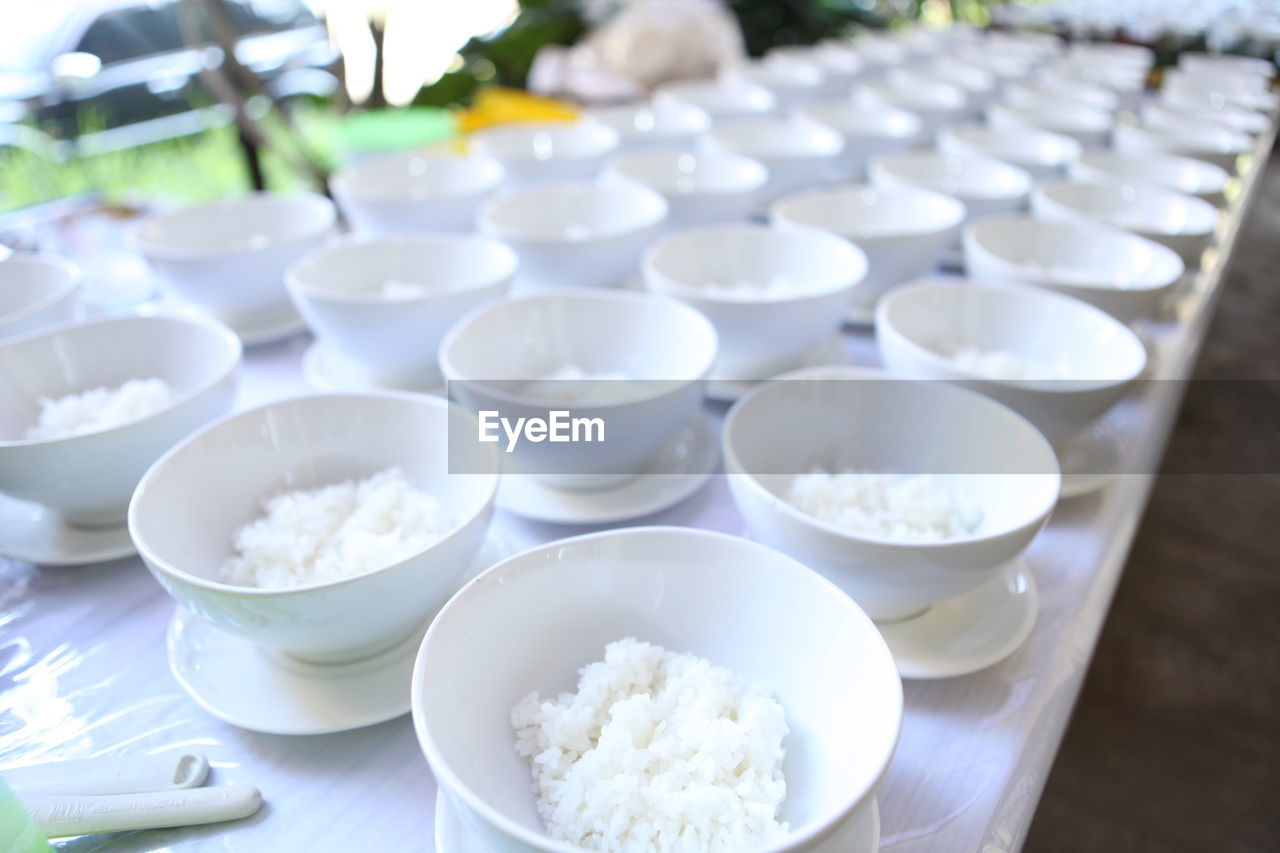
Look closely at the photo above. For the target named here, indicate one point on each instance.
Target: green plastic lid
(395, 129)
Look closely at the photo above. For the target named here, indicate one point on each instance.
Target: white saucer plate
(680, 469)
(860, 835)
(325, 369)
(35, 534)
(249, 334)
(831, 351)
(1089, 462)
(265, 691)
(968, 633)
(861, 315)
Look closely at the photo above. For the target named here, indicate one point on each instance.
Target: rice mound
(335, 532)
(657, 752)
(901, 507)
(99, 408)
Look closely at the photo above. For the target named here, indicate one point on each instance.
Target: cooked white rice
(657, 752)
(1002, 364)
(334, 532)
(100, 408)
(901, 507)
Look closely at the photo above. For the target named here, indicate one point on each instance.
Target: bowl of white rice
(1058, 361)
(385, 303)
(640, 692)
(85, 408)
(328, 527)
(772, 295)
(905, 493)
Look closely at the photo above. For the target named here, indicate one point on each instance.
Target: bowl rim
(1113, 162)
(782, 212)
(1067, 148)
(974, 241)
(234, 353)
(159, 565)
(347, 180)
(298, 287)
(541, 841)
(889, 166)
(606, 140)
(65, 288)
(451, 372)
(753, 99)
(136, 240)
(1192, 136)
(683, 291)
(890, 113)
(617, 167)
(691, 119)
(734, 467)
(488, 224)
(1079, 117)
(1051, 299)
(827, 142)
(940, 98)
(1050, 192)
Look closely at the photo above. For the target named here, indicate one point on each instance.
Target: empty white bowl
(189, 505)
(934, 101)
(1182, 222)
(902, 230)
(1040, 153)
(530, 623)
(720, 99)
(986, 186)
(1089, 126)
(1119, 272)
(841, 419)
(541, 152)
(414, 191)
(575, 234)
(228, 257)
(840, 64)
(797, 152)
(867, 130)
(791, 81)
(661, 348)
(1208, 142)
(642, 125)
(1093, 359)
(1047, 93)
(772, 295)
(980, 85)
(700, 187)
(36, 291)
(1184, 174)
(384, 304)
(1197, 62)
(87, 479)
(1175, 110)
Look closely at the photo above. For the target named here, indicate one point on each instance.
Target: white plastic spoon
(59, 817)
(116, 775)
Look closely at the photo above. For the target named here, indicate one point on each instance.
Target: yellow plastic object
(499, 105)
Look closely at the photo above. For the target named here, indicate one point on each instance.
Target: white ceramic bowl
(541, 152)
(1211, 91)
(1184, 174)
(791, 81)
(434, 280)
(1129, 85)
(986, 186)
(1089, 126)
(575, 234)
(414, 191)
(1175, 109)
(36, 291)
(1121, 273)
(797, 152)
(1198, 62)
(228, 257)
(1047, 93)
(1182, 222)
(530, 623)
(980, 85)
(87, 479)
(1094, 358)
(1004, 64)
(191, 502)
(840, 419)
(716, 268)
(935, 102)
(662, 348)
(1040, 153)
(720, 99)
(700, 187)
(840, 64)
(1218, 79)
(641, 126)
(879, 53)
(1208, 142)
(1135, 57)
(903, 231)
(867, 130)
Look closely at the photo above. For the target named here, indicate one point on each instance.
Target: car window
(133, 32)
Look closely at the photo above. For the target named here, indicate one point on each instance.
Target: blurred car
(113, 74)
